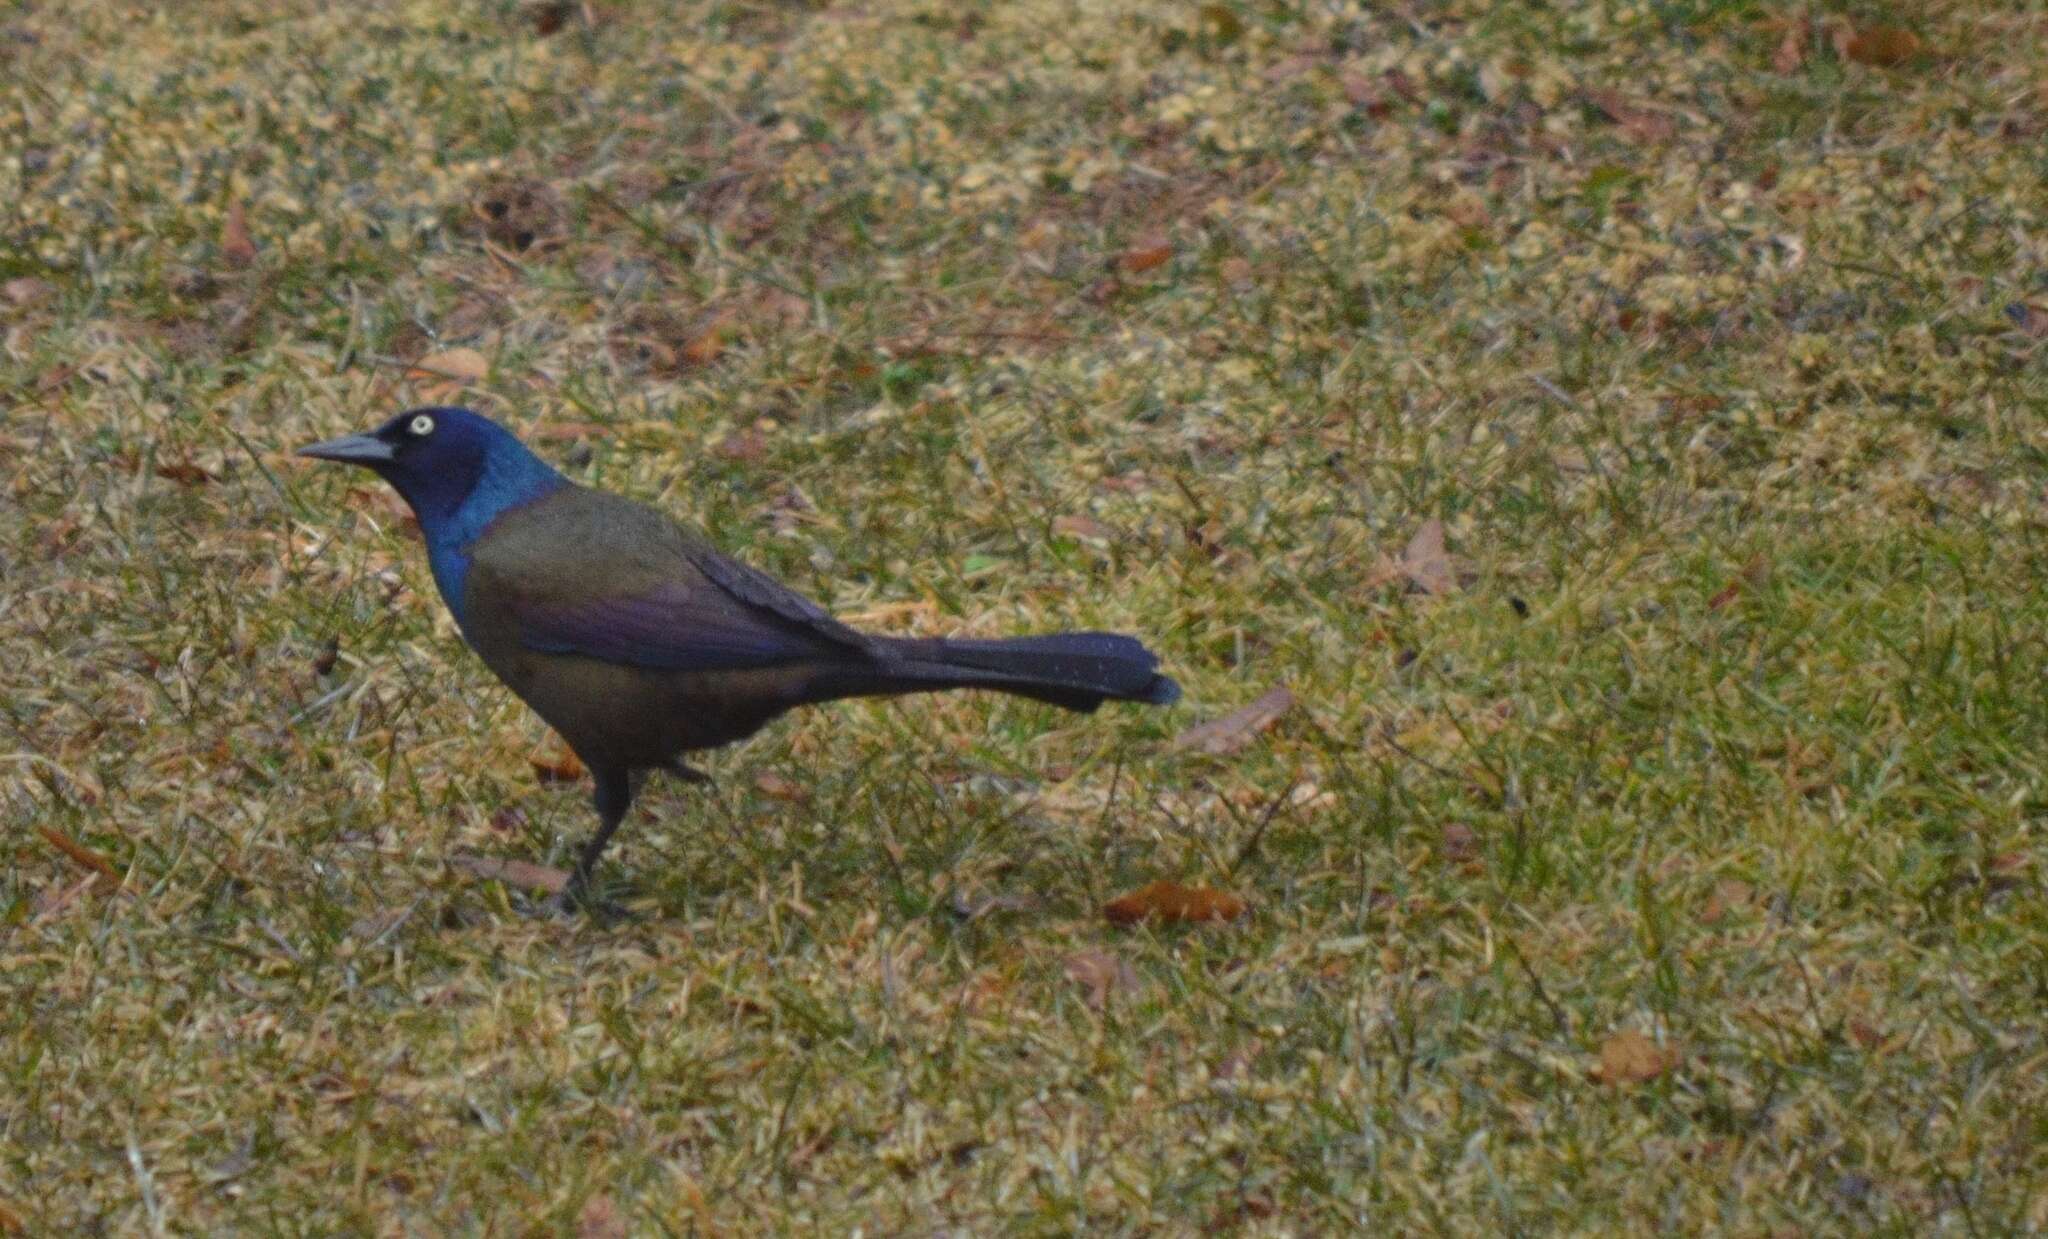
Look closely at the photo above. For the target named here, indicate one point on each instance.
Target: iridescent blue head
(458, 470)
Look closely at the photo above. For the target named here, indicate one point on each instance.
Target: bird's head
(442, 460)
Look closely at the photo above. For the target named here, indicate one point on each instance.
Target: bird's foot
(577, 900)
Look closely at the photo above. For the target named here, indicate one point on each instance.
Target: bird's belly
(635, 717)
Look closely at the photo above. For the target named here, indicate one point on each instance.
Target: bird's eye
(421, 425)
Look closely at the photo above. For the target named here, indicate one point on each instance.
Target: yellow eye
(421, 425)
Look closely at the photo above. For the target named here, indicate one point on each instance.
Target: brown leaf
(1629, 1057)
(26, 291)
(1883, 46)
(1426, 563)
(1791, 51)
(1363, 92)
(329, 654)
(184, 473)
(512, 872)
(58, 536)
(706, 346)
(1207, 537)
(1640, 123)
(2030, 319)
(11, 1223)
(549, 16)
(508, 820)
(779, 787)
(1752, 573)
(742, 445)
(600, 1217)
(237, 248)
(1728, 895)
(560, 766)
(1866, 1035)
(1144, 258)
(1461, 843)
(1086, 528)
(1223, 736)
(457, 365)
(1170, 901)
(1102, 975)
(79, 853)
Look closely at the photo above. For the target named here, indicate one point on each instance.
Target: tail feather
(1073, 670)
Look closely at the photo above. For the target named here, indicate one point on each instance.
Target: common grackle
(639, 643)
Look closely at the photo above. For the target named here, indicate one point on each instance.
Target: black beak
(352, 449)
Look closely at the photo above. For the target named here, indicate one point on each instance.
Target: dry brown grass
(1674, 860)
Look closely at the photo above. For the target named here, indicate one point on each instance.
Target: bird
(639, 643)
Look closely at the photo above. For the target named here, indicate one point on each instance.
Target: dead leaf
(2030, 319)
(1728, 895)
(459, 365)
(1102, 975)
(1467, 209)
(329, 654)
(1752, 573)
(1884, 46)
(1641, 124)
(237, 247)
(549, 16)
(1224, 736)
(1086, 528)
(742, 445)
(1460, 842)
(1866, 1035)
(58, 536)
(600, 1217)
(706, 346)
(512, 872)
(184, 473)
(1426, 563)
(26, 291)
(80, 853)
(1365, 93)
(1791, 52)
(1629, 1057)
(517, 213)
(1170, 901)
(11, 1223)
(560, 766)
(1144, 258)
(1207, 537)
(779, 787)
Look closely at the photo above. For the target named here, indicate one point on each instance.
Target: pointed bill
(352, 449)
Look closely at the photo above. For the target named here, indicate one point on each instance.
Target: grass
(1728, 386)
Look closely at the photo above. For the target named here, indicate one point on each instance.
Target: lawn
(1622, 430)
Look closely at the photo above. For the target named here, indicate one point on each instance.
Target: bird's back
(600, 612)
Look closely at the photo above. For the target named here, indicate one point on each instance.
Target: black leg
(614, 796)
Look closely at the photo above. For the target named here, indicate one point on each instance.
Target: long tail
(1074, 670)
